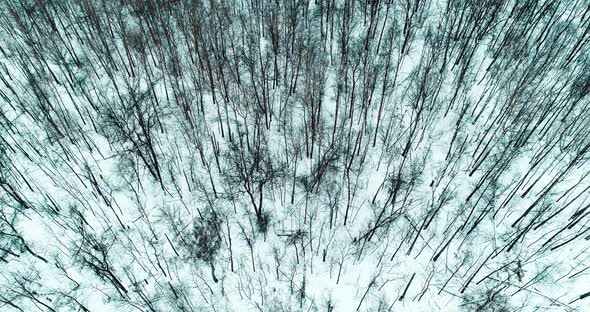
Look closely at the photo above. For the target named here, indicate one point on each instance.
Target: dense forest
(287, 155)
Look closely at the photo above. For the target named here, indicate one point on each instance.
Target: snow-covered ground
(294, 156)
